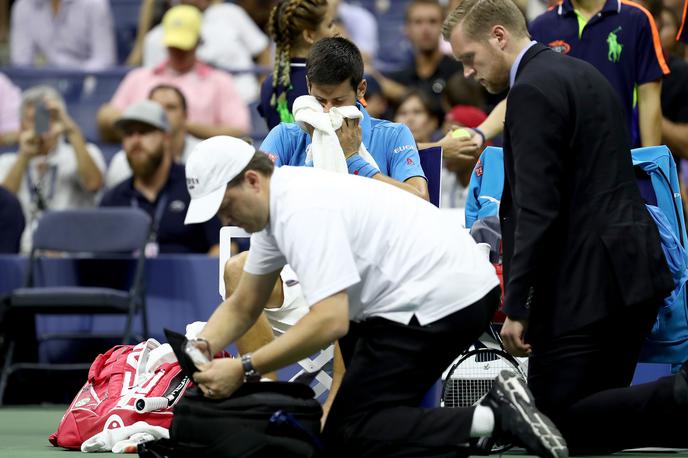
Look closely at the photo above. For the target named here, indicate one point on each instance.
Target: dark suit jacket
(578, 242)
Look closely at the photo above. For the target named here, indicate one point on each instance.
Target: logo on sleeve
(560, 46)
(272, 157)
(409, 161)
(401, 149)
(478, 168)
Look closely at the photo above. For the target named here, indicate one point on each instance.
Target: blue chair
(125, 15)
(431, 162)
(92, 236)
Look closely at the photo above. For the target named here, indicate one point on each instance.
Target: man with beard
(158, 184)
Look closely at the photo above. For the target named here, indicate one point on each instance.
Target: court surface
(24, 432)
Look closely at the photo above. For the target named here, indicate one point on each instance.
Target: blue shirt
(167, 213)
(486, 186)
(391, 145)
(298, 87)
(621, 41)
(517, 63)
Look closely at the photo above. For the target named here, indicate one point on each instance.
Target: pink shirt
(10, 100)
(210, 94)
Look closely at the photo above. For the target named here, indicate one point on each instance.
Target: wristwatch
(250, 373)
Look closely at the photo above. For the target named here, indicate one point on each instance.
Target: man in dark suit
(583, 265)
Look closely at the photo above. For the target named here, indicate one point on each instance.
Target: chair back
(98, 230)
(431, 162)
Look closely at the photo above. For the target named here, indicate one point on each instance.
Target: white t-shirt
(394, 253)
(60, 185)
(230, 40)
(119, 169)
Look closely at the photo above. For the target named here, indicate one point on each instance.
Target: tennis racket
(472, 374)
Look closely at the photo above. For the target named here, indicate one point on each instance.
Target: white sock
(483, 422)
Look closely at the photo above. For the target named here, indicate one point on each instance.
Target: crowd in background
(200, 68)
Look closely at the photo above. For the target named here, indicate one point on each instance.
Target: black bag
(264, 419)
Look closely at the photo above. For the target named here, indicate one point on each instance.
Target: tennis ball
(461, 133)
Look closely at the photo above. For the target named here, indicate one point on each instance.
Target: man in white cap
(420, 293)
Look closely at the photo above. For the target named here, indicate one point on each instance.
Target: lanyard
(159, 210)
(36, 190)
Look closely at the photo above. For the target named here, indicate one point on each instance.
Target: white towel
(113, 438)
(325, 152)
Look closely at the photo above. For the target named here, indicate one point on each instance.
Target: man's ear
(361, 90)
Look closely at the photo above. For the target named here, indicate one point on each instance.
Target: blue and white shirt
(391, 145)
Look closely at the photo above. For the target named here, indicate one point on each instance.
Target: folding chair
(93, 234)
(431, 163)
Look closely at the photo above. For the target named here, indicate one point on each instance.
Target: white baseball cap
(211, 165)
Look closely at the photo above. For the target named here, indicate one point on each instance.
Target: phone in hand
(41, 119)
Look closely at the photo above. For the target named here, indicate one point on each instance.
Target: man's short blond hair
(479, 16)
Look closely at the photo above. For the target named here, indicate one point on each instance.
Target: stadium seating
(125, 15)
(84, 92)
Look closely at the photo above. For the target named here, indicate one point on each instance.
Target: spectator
(181, 143)
(431, 68)
(215, 107)
(55, 169)
(423, 116)
(335, 77)
(674, 89)
(361, 28)
(75, 34)
(11, 222)
(158, 184)
(229, 40)
(621, 40)
(10, 100)
(294, 26)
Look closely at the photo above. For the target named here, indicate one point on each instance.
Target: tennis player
(364, 251)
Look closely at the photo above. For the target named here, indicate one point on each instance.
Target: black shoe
(517, 419)
(681, 385)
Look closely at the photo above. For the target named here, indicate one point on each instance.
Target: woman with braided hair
(294, 26)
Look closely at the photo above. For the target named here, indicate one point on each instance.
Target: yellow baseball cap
(182, 27)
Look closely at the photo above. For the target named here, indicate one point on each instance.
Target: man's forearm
(89, 173)
(675, 136)
(494, 124)
(650, 113)
(14, 177)
(406, 186)
(107, 115)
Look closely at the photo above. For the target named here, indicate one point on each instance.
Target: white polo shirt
(394, 254)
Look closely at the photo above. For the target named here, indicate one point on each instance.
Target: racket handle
(151, 404)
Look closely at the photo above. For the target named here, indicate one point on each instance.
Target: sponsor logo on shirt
(400, 149)
(272, 157)
(478, 170)
(409, 161)
(191, 182)
(291, 282)
(560, 46)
